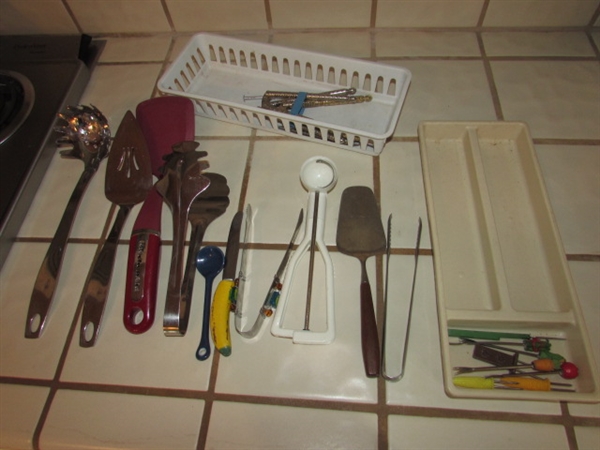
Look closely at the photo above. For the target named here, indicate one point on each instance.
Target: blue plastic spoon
(209, 262)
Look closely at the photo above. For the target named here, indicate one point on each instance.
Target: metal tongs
(384, 372)
(296, 102)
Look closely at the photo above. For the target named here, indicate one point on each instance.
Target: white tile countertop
(149, 392)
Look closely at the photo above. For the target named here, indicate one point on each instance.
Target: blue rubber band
(297, 107)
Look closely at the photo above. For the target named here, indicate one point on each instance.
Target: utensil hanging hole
(34, 323)
(88, 332)
(137, 316)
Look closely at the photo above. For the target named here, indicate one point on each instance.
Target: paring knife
(165, 121)
(219, 316)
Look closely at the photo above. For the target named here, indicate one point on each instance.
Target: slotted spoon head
(128, 169)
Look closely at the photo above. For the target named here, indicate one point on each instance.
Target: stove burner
(17, 97)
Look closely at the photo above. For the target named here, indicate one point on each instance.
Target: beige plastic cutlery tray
(498, 257)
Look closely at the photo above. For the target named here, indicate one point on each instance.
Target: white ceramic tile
(528, 13)
(571, 178)
(148, 359)
(402, 193)
(120, 16)
(272, 366)
(20, 408)
(415, 433)
(86, 420)
(264, 426)
(38, 358)
(558, 99)
(116, 89)
(429, 13)
(281, 194)
(320, 14)
(586, 276)
(422, 384)
(405, 43)
(444, 90)
(588, 437)
(210, 15)
(525, 43)
(350, 44)
(35, 17)
(51, 200)
(152, 48)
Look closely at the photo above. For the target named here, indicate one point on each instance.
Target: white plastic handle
(307, 336)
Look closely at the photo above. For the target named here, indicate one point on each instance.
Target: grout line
(268, 15)
(490, 78)
(373, 17)
(210, 398)
(569, 429)
(208, 401)
(72, 15)
(54, 385)
(385, 410)
(165, 8)
(483, 13)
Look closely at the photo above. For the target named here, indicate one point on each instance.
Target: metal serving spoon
(88, 133)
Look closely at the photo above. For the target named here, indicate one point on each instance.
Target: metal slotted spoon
(88, 133)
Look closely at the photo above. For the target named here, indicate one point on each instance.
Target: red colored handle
(165, 121)
(142, 282)
(368, 329)
(142, 266)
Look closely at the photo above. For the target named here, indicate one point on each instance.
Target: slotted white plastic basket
(216, 72)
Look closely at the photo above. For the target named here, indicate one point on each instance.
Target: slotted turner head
(128, 169)
(360, 231)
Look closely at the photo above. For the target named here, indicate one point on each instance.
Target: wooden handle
(368, 328)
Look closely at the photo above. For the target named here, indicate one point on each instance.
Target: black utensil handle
(368, 328)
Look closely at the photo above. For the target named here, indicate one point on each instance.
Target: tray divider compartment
(483, 204)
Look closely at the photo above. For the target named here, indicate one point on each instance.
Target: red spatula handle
(368, 328)
(165, 121)
(142, 267)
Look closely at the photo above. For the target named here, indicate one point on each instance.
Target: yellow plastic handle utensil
(219, 316)
(474, 382)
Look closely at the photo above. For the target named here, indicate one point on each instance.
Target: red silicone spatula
(165, 121)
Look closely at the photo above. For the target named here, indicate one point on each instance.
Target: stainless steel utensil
(384, 372)
(128, 181)
(181, 183)
(209, 205)
(165, 121)
(88, 133)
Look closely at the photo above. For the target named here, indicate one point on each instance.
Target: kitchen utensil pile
(159, 142)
